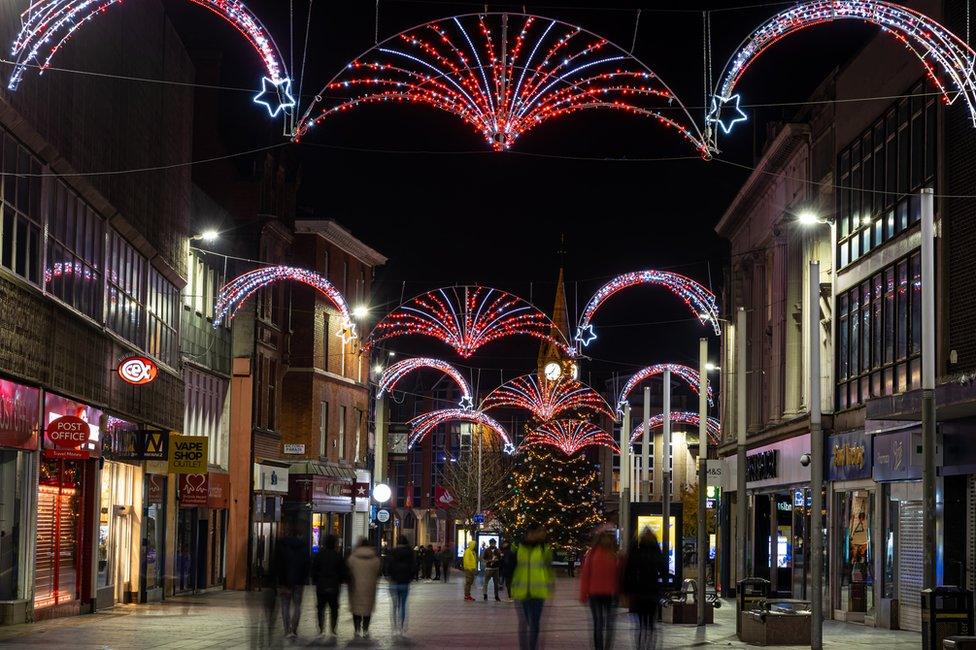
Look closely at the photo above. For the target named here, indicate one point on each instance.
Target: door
(910, 565)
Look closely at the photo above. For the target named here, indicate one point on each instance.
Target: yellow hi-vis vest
(533, 572)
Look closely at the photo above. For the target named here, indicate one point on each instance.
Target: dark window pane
(902, 316)
(889, 315)
(916, 300)
(865, 326)
(878, 291)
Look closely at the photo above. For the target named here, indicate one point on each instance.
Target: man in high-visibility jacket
(470, 565)
(532, 583)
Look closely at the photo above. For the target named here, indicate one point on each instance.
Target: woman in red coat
(599, 587)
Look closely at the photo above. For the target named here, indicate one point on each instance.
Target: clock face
(552, 371)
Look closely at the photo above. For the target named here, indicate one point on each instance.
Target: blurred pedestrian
(328, 573)
(428, 562)
(643, 570)
(599, 586)
(437, 564)
(445, 557)
(507, 567)
(492, 560)
(291, 569)
(532, 583)
(364, 572)
(418, 554)
(571, 563)
(470, 565)
(402, 563)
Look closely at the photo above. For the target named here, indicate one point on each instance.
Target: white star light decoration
(585, 335)
(509, 448)
(467, 403)
(275, 96)
(726, 112)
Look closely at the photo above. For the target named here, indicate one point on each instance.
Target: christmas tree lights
(423, 424)
(466, 318)
(681, 417)
(697, 297)
(546, 399)
(570, 436)
(232, 295)
(393, 374)
(689, 375)
(563, 493)
(942, 53)
(47, 25)
(503, 74)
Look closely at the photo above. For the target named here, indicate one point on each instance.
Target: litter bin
(946, 611)
(749, 592)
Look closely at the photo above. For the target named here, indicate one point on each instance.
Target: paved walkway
(438, 619)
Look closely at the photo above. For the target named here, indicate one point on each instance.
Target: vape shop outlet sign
(65, 437)
(188, 454)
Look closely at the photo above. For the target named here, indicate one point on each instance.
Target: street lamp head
(378, 369)
(360, 311)
(209, 236)
(711, 367)
(382, 492)
(809, 218)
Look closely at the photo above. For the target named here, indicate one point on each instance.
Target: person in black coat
(402, 569)
(328, 573)
(641, 583)
(291, 566)
(507, 567)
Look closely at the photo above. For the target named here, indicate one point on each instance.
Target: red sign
(157, 486)
(218, 494)
(361, 491)
(194, 490)
(18, 415)
(137, 370)
(65, 435)
(442, 498)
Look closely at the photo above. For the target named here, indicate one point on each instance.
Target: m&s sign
(188, 454)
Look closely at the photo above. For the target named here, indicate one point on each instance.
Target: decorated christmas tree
(563, 493)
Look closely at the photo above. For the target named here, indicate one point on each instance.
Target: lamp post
(702, 474)
(625, 452)
(929, 576)
(666, 473)
(381, 494)
(741, 511)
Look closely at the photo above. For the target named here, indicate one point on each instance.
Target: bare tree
(460, 478)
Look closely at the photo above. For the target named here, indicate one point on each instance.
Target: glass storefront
(153, 536)
(856, 547)
(116, 526)
(60, 532)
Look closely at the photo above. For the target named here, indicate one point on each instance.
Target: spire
(560, 319)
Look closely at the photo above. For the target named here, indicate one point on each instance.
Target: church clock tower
(553, 363)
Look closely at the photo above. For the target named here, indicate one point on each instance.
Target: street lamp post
(740, 458)
(817, 463)
(381, 494)
(623, 515)
(702, 474)
(645, 483)
(666, 473)
(929, 576)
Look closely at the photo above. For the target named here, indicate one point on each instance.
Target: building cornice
(335, 234)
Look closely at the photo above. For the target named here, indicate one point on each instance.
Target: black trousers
(360, 622)
(602, 611)
(328, 598)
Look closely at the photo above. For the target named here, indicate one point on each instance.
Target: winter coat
(600, 574)
(470, 560)
(291, 562)
(507, 564)
(491, 557)
(328, 570)
(364, 573)
(402, 563)
(641, 577)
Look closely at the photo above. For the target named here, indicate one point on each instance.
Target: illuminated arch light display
(393, 374)
(697, 297)
(46, 25)
(681, 417)
(570, 436)
(233, 294)
(939, 50)
(688, 375)
(546, 399)
(423, 424)
(466, 318)
(503, 74)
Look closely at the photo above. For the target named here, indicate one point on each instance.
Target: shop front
(19, 439)
(320, 504)
(201, 531)
(270, 489)
(855, 502)
(897, 469)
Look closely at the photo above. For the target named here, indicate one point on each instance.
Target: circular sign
(68, 431)
(137, 370)
(382, 492)
(383, 515)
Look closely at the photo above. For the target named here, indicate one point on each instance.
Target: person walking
(364, 572)
(429, 560)
(401, 570)
(437, 564)
(491, 559)
(328, 574)
(532, 583)
(642, 571)
(418, 553)
(599, 586)
(291, 569)
(507, 567)
(470, 565)
(571, 563)
(445, 557)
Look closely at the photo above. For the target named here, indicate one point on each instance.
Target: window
(326, 337)
(162, 319)
(76, 236)
(879, 334)
(323, 429)
(125, 270)
(881, 173)
(342, 432)
(204, 395)
(20, 201)
(359, 434)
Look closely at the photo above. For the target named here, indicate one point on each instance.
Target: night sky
(461, 213)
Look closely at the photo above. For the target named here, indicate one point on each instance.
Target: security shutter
(910, 559)
(971, 532)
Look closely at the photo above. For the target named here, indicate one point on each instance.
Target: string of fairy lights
(688, 375)
(570, 436)
(546, 399)
(680, 417)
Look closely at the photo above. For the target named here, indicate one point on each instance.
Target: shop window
(856, 582)
(58, 549)
(76, 236)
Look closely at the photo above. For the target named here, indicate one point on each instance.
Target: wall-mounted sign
(194, 490)
(137, 370)
(157, 489)
(382, 515)
(848, 456)
(218, 495)
(713, 472)
(762, 466)
(188, 454)
(897, 456)
(141, 444)
(270, 478)
(65, 436)
(294, 448)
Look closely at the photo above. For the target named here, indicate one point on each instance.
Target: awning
(316, 468)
